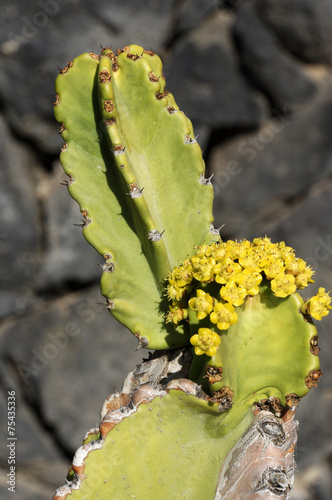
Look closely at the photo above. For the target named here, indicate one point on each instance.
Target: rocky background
(255, 77)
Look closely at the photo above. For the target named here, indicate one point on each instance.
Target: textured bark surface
(261, 464)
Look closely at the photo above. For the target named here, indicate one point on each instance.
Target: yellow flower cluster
(239, 268)
(319, 305)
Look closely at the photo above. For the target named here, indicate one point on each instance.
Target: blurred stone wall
(255, 77)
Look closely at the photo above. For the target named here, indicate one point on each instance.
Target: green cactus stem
(189, 421)
(138, 174)
(252, 334)
(166, 442)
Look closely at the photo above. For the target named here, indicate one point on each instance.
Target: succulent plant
(236, 347)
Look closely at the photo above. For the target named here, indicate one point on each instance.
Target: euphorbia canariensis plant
(211, 413)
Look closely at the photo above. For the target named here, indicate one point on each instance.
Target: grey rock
(33, 442)
(310, 215)
(19, 222)
(36, 42)
(308, 229)
(254, 175)
(67, 257)
(204, 76)
(33, 453)
(278, 75)
(304, 27)
(313, 482)
(191, 13)
(16, 300)
(77, 355)
(142, 22)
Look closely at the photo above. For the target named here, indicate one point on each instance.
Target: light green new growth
(138, 174)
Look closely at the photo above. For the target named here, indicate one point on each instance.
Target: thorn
(67, 182)
(109, 304)
(109, 265)
(107, 268)
(213, 230)
(135, 191)
(142, 341)
(155, 235)
(189, 140)
(118, 150)
(206, 181)
(149, 52)
(80, 225)
(85, 222)
(66, 68)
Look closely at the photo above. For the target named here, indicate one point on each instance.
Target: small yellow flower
(203, 251)
(233, 293)
(203, 268)
(303, 279)
(283, 285)
(294, 265)
(286, 252)
(226, 270)
(176, 314)
(218, 252)
(205, 342)
(273, 268)
(249, 259)
(250, 280)
(175, 292)
(202, 304)
(233, 249)
(223, 316)
(262, 242)
(319, 305)
(263, 258)
(263, 246)
(182, 275)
